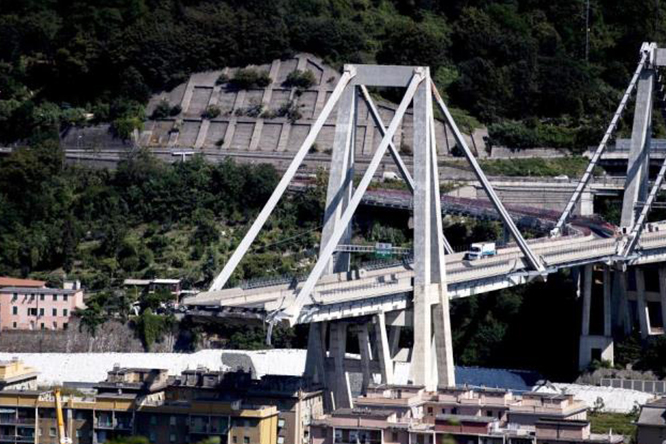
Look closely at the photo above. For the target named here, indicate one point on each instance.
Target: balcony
(108, 424)
(12, 420)
(208, 429)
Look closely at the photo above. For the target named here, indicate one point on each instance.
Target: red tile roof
(14, 282)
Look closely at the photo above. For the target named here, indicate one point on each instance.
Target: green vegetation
(164, 110)
(508, 328)
(517, 64)
(572, 166)
(250, 78)
(211, 112)
(145, 219)
(620, 423)
(300, 79)
(519, 135)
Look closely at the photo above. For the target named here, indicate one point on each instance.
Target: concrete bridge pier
(597, 347)
(587, 204)
(662, 295)
(641, 303)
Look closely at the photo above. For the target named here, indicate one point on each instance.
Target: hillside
(517, 65)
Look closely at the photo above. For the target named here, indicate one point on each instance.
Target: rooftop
(466, 418)
(15, 282)
(31, 290)
(384, 414)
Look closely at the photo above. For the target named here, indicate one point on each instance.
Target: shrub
(125, 126)
(300, 79)
(175, 110)
(222, 79)
(251, 111)
(290, 111)
(517, 135)
(211, 112)
(162, 110)
(250, 78)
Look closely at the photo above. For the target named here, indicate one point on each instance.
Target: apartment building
(32, 307)
(410, 415)
(651, 423)
(296, 400)
(133, 402)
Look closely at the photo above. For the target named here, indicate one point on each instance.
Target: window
(443, 411)
(15, 297)
(172, 437)
(153, 420)
(454, 411)
(52, 432)
(489, 413)
(41, 325)
(54, 312)
(14, 310)
(32, 312)
(65, 312)
(430, 410)
(234, 439)
(64, 325)
(280, 423)
(39, 431)
(42, 297)
(65, 297)
(172, 420)
(246, 440)
(55, 297)
(152, 436)
(32, 297)
(280, 440)
(55, 325)
(15, 325)
(394, 436)
(79, 434)
(41, 312)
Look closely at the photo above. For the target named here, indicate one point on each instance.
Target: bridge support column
(595, 347)
(338, 347)
(366, 356)
(587, 299)
(430, 365)
(662, 295)
(383, 351)
(341, 176)
(621, 318)
(587, 204)
(394, 340)
(608, 312)
(638, 166)
(315, 363)
(643, 310)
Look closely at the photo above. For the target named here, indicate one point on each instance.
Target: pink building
(34, 308)
(400, 414)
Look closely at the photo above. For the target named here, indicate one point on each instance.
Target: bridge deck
(348, 294)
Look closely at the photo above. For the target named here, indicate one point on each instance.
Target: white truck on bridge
(481, 250)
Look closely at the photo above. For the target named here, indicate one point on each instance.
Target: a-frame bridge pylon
(431, 355)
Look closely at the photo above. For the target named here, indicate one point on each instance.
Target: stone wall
(111, 337)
